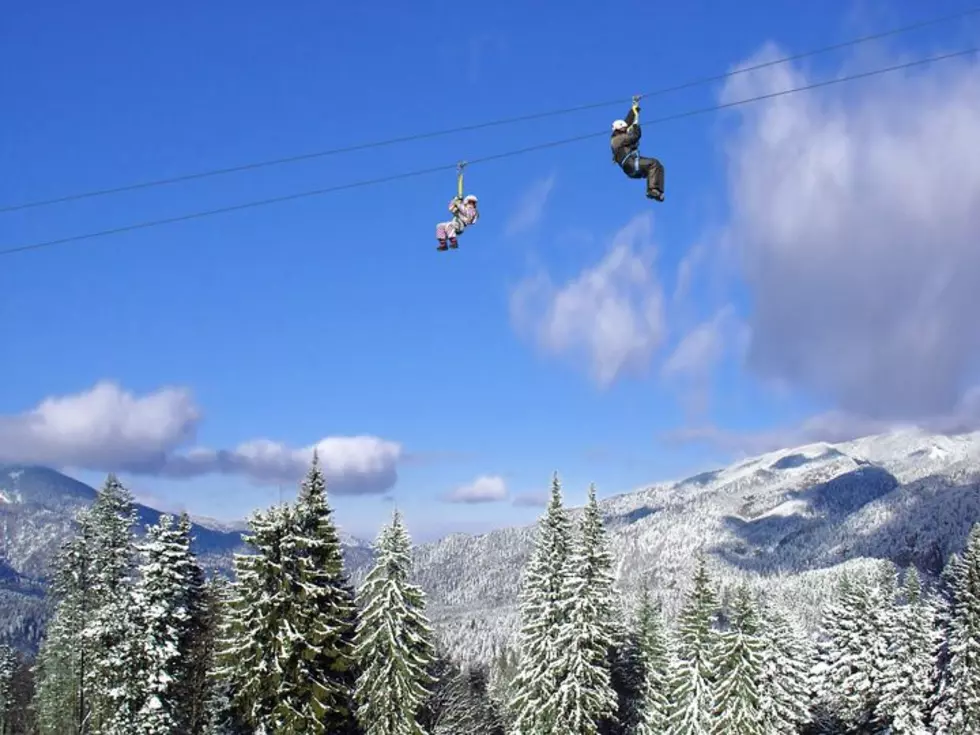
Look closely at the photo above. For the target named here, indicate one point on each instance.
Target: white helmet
(470, 199)
(619, 125)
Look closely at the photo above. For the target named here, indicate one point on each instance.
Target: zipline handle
(459, 179)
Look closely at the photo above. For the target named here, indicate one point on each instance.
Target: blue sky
(334, 316)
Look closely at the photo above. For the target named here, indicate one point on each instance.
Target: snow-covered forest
(142, 642)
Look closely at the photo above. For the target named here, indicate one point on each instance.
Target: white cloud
(830, 426)
(109, 429)
(612, 313)
(856, 213)
(530, 210)
(696, 356)
(484, 489)
(702, 348)
(101, 427)
(532, 499)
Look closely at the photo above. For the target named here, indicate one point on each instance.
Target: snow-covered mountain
(789, 521)
(37, 506)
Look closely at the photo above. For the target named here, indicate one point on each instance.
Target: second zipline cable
(476, 126)
(484, 159)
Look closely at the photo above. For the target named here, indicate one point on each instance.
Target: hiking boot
(442, 245)
(453, 243)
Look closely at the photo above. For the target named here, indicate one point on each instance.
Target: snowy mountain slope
(37, 507)
(787, 521)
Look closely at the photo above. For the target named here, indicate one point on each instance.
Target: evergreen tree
(853, 652)
(588, 633)
(83, 663)
(738, 666)
(694, 679)
(958, 712)
(223, 712)
(253, 632)
(394, 646)
(462, 702)
(542, 609)
(191, 688)
(784, 703)
(907, 680)
(318, 670)
(62, 699)
(111, 629)
(167, 612)
(655, 663)
(8, 669)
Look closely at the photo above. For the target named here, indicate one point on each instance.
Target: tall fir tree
(318, 675)
(853, 651)
(738, 666)
(192, 685)
(111, 628)
(8, 670)
(958, 711)
(62, 699)
(167, 611)
(542, 610)
(588, 634)
(222, 714)
(655, 667)
(694, 680)
(785, 682)
(253, 633)
(394, 641)
(908, 678)
(84, 661)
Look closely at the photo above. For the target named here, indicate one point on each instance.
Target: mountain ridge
(788, 522)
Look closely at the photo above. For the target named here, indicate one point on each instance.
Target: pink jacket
(465, 213)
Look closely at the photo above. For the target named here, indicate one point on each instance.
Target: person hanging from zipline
(625, 143)
(464, 213)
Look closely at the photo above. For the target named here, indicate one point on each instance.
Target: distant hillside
(37, 508)
(788, 521)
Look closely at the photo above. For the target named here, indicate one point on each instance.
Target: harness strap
(635, 156)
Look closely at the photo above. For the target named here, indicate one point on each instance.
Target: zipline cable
(475, 126)
(484, 159)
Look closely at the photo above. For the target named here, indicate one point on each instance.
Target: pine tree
(655, 663)
(694, 679)
(958, 712)
(62, 699)
(111, 628)
(318, 672)
(784, 703)
(853, 652)
(167, 611)
(394, 641)
(191, 688)
(542, 609)
(253, 633)
(738, 666)
(78, 672)
(907, 680)
(588, 633)
(462, 702)
(222, 714)
(8, 668)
